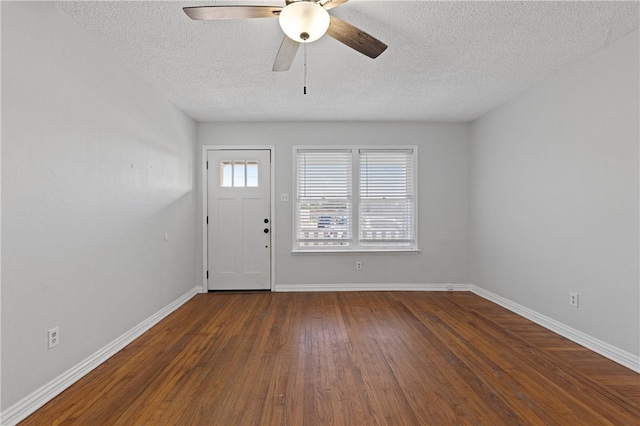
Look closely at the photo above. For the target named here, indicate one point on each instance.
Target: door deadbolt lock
(266, 221)
(266, 230)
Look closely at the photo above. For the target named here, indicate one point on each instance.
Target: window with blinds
(324, 199)
(373, 208)
(387, 198)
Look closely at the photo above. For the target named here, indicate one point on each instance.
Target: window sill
(358, 251)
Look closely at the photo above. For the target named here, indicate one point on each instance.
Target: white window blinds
(324, 199)
(386, 199)
(355, 198)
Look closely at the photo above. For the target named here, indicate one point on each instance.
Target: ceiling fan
(302, 21)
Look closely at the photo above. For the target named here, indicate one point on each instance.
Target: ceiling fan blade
(355, 38)
(330, 4)
(210, 13)
(285, 55)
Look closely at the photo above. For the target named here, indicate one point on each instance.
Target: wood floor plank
(369, 358)
(549, 369)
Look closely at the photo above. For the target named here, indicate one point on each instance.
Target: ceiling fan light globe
(304, 21)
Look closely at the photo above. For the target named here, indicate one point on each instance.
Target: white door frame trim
(205, 204)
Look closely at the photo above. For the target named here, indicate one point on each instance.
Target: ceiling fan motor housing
(304, 21)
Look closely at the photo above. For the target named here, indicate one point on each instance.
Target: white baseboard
(371, 287)
(25, 407)
(615, 354)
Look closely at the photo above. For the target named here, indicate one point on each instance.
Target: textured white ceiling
(446, 61)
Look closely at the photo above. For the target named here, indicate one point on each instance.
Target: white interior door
(239, 219)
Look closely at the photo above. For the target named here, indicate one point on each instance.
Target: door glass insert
(252, 174)
(226, 174)
(238, 174)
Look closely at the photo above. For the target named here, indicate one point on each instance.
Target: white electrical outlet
(573, 299)
(54, 337)
(284, 197)
(359, 265)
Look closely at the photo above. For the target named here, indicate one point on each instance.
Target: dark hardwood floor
(365, 358)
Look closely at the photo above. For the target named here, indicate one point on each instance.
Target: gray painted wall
(554, 190)
(96, 168)
(443, 199)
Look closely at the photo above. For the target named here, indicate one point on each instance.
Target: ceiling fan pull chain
(305, 68)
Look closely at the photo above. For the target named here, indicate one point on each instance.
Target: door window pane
(238, 174)
(252, 173)
(226, 176)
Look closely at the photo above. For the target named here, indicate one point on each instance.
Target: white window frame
(355, 201)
